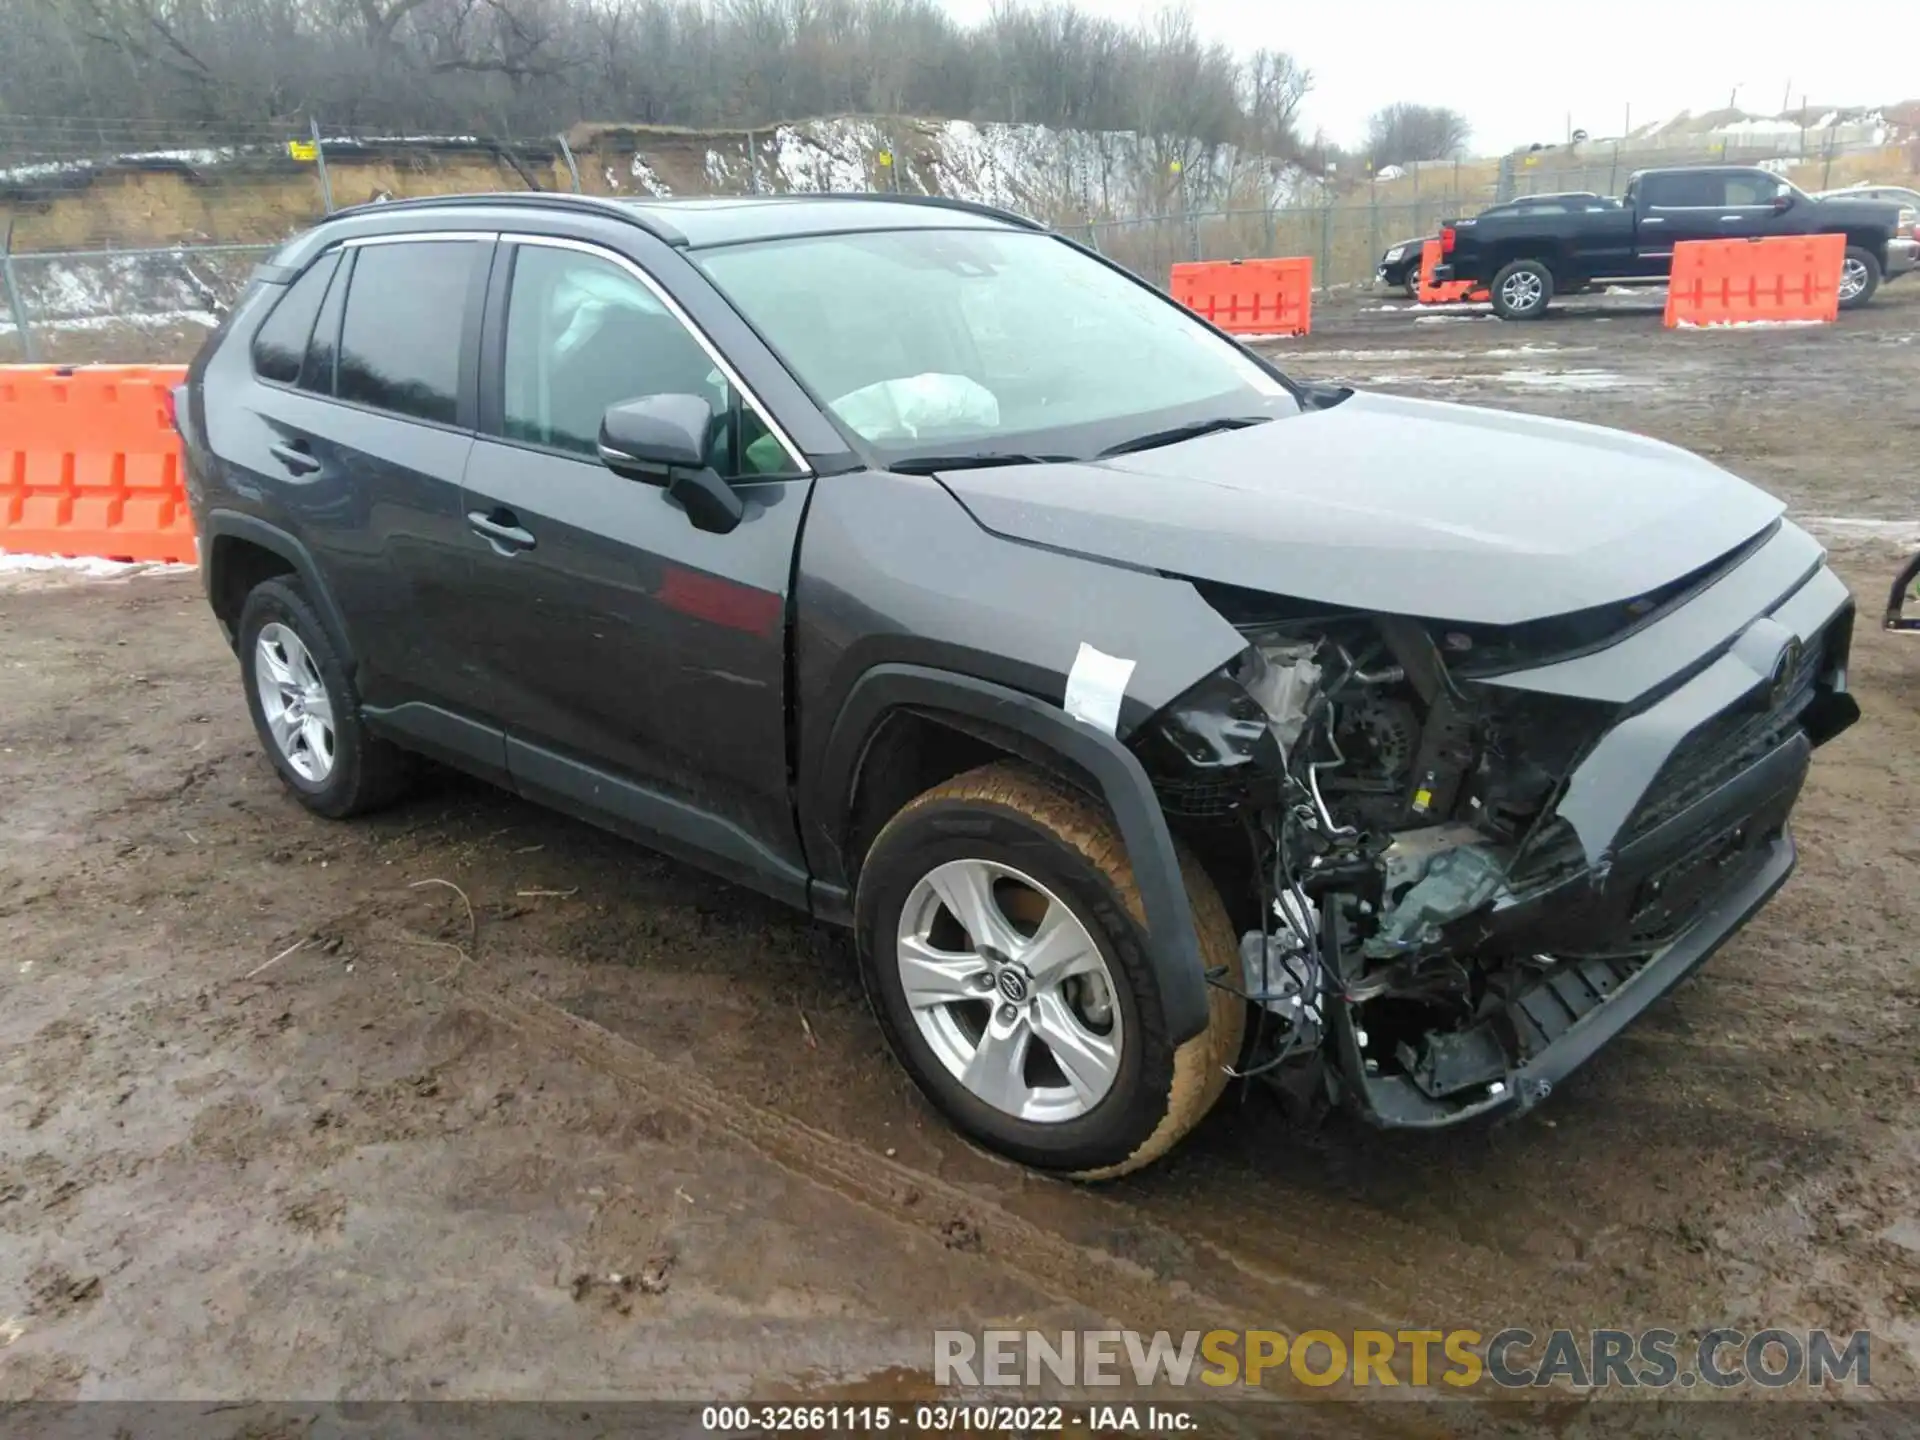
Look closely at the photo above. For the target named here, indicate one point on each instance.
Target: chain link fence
(128, 306)
(128, 240)
(158, 304)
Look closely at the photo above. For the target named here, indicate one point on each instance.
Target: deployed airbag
(907, 408)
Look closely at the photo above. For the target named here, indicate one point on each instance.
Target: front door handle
(502, 530)
(295, 456)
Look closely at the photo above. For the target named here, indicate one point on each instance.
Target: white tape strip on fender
(1094, 687)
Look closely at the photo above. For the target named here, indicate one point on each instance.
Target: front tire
(1859, 277)
(1002, 947)
(307, 712)
(1522, 290)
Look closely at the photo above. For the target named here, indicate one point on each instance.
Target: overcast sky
(1522, 66)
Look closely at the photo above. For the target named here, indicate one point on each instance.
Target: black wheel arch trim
(1114, 773)
(230, 524)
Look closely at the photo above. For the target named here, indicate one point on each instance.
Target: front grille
(1724, 746)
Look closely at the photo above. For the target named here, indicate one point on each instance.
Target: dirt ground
(289, 1115)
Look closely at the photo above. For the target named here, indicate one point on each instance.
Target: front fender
(1109, 769)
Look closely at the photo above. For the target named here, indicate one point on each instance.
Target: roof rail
(645, 211)
(887, 197)
(529, 199)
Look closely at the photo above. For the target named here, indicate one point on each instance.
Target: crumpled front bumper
(1678, 832)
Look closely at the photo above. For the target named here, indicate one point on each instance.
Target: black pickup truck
(1525, 258)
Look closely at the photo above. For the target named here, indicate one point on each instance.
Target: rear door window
(400, 339)
(280, 344)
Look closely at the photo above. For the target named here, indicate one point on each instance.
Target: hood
(1398, 506)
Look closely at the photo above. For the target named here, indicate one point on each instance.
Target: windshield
(986, 343)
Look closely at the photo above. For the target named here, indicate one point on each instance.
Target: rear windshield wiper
(973, 460)
(1191, 431)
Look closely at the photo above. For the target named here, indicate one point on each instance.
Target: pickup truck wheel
(1859, 277)
(1522, 290)
(307, 712)
(1001, 945)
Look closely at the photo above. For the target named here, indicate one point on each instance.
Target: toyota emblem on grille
(1013, 985)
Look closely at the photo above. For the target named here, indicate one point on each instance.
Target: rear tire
(1094, 1089)
(1522, 290)
(306, 710)
(1859, 277)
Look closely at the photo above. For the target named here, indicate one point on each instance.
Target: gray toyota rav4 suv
(1150, 717)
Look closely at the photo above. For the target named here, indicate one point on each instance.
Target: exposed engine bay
(1407, 869)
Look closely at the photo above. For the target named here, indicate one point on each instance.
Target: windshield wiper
(1174, 435)
(972, 460)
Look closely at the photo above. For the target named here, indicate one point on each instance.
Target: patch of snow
(829, 157)
(1565, 379)
(86, 567)
(648, 180)
(1508, 352)
(87, 324)
(1391, 355)
(719, 172)
(1447, 319)
(1264, 339)
(1390, 172)
(1905, 533)
(1774, 128)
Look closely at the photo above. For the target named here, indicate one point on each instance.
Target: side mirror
(1783, 202)
(662, 440)
(646, 439)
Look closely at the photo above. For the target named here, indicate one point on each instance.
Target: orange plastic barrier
(90, 464)
(1447, 294)
(1726, 282)
(1249, 297)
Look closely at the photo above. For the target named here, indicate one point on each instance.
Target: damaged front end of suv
(1467, 855)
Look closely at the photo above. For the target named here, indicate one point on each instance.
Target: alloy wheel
(1010, 991)
(1853, 278)
(294, 699)
(1521, 291)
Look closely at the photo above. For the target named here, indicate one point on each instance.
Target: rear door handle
(295, 456)
(501, 528)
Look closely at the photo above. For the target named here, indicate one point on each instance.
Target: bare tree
(531, 67)
(1404, 132)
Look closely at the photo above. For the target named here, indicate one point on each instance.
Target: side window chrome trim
(672, 306)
